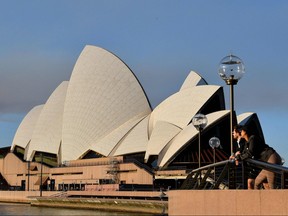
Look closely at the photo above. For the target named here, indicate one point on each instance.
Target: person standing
(237, 136)
(252, 173)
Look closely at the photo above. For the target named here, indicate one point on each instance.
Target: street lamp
(214, 142)
(199, 121)
(231, 69)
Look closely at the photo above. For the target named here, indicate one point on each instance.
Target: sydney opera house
(98, 131)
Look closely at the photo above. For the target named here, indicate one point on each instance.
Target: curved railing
(281, 172)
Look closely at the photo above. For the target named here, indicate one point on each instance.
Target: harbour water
(27, 210)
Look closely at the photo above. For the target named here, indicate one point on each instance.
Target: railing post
(231, 176)
(224, 172)
(243, 177)
(196, 182)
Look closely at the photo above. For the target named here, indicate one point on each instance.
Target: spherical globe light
(231, 69)
(199, 121)
(214, 142)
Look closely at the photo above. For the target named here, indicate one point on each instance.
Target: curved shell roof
(162, 133)
(180, 108)
(111, 142)
(193, 79)
(103, 94)
(244, 117)
(47, 133)
(176, 112)
(185, 135)
(135, 141)
(26, 128)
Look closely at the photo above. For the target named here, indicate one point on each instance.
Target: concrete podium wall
(228, 202)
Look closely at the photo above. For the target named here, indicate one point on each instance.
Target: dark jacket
(256, 148)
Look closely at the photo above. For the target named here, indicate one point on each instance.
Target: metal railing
(227, 175)
(281, 172)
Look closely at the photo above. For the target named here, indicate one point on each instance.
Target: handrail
(212, 165)
(278, 169)
(263, 165)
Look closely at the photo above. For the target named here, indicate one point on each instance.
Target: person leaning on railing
(252, 173)
(256, 148)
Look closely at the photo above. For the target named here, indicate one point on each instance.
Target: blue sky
(160, 40)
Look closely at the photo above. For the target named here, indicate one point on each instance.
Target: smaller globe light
(199, 121)
(214, 142)
(231, 69)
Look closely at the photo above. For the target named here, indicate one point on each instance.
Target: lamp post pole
(199, 121)
(231, 69)
(232, 82)
(199, 147)
(214, 143)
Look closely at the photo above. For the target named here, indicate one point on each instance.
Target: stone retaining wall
(228, 202)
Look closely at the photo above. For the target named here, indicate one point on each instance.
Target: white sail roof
(25, 130)
(180, 108)
(135, 141)
(161, 135)
(103, 94)
(243, 117)
(193, 79)
(185, 135)
(46, 136)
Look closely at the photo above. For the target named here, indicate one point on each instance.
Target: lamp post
(214, 142)
(231, 69)
(199, 121)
